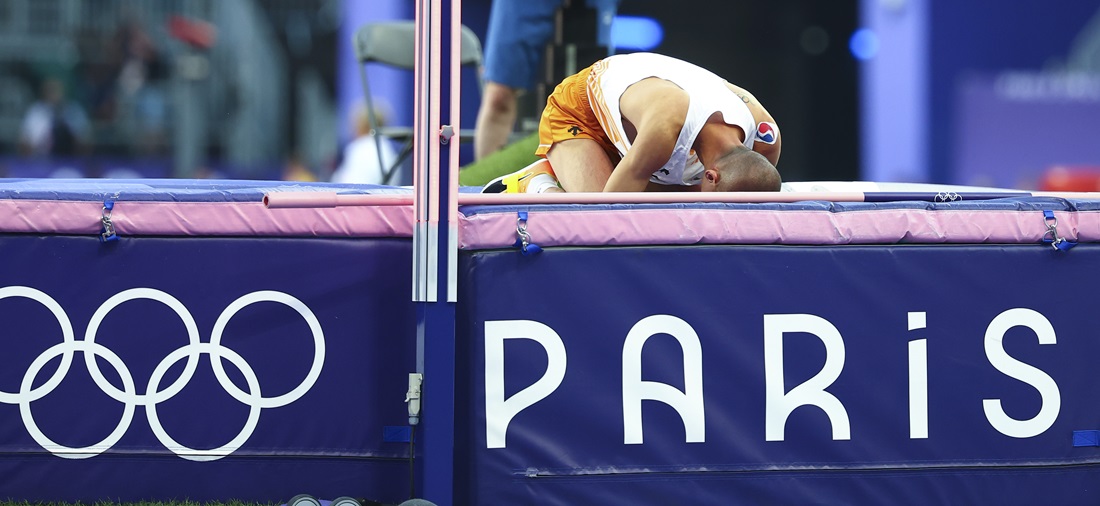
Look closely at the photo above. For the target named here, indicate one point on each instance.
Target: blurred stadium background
(945, 91)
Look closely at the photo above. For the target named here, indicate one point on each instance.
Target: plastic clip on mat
(1051, 237)
(523, 239)
(107, 230)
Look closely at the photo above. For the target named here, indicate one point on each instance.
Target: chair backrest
(393, 43)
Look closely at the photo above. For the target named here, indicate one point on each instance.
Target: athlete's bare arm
(653, 113)
(760, 114)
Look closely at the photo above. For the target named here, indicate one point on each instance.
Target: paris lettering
(781, 399)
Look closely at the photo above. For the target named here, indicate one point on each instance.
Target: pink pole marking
(434, 113)
(456, 111)
(279, 200)
(304, 199)
(330, 199)
(654, 197)
(418, 110)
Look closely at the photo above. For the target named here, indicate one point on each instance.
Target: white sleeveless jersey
(707, 94)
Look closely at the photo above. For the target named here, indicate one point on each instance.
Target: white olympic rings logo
(153, 394)
(947, 196)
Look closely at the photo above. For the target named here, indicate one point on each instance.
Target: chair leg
(373, 123)
(406, 150)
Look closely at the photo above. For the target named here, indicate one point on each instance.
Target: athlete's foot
(495, 186)
(535, 178)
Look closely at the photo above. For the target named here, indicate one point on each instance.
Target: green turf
(513, 157)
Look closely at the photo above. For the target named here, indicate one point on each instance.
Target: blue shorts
(518, 33)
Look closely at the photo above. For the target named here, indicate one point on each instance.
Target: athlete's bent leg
(581, 165)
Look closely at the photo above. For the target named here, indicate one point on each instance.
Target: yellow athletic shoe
(518, 181)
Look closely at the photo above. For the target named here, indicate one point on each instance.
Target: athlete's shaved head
(742, 169)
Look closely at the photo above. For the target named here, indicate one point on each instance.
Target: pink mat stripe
(736, 226)
(568, 227)
(203, 218)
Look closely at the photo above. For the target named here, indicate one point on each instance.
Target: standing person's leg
(496, 118)
(515, 44)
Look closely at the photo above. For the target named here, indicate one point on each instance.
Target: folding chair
(392, 43)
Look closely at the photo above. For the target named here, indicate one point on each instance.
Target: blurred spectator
(296, 170)
(122, 80)
(515, 46)
(54, 125)
(140, 70)
(362, 163)
(1084, 55)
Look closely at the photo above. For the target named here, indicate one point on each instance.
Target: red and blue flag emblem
(767, 132)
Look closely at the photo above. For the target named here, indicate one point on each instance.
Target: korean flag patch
(767, 132)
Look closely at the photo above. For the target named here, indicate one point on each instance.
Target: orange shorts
(569, 115)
